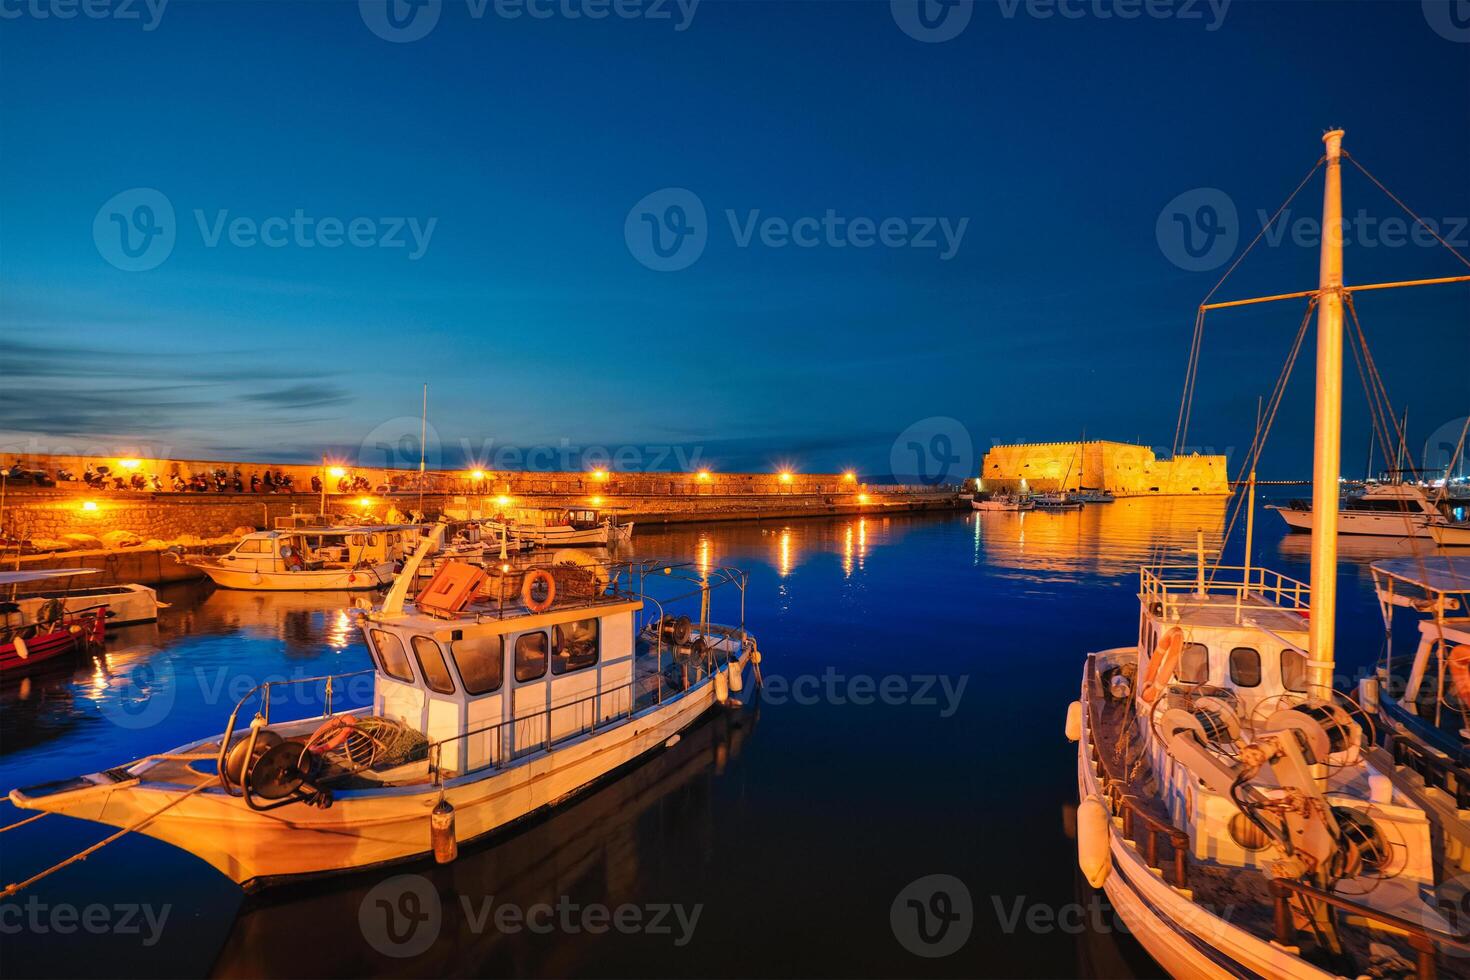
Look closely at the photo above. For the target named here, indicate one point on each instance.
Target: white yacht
(355, 557)
(1396, 510)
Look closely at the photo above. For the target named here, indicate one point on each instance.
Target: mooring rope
(88, 852)
(22, 823)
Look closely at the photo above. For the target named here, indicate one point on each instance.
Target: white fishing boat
(1395, 510)
(1056, 501)
(562, 528)
(1232, 804)
(309, 559)
(1090, 496)
(1001, 502)
(484, 712)
(126, 604)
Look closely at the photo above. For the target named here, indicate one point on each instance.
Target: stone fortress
(1125, 469)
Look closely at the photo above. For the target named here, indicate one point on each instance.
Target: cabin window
(432, 666)
(256, 547)
(1245, 667)
(356, 540)
(575, 646)
(1293, 670)
(392, 656)
(481, 663)
(530, 656)
(1194, 664)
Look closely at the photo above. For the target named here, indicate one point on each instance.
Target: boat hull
(43, 650)
(327, 579)
(1185, 938)
(366, 828)
(1451, 535)
(1382, 525)
(126, 603)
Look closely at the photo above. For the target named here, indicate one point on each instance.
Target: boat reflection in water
(1107, 541)
(607, 849)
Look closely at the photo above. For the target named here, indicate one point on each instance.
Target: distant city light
(785, 476)
(599, 474)
(364, 502)
(503, 501)
(477, 475)
(337, 472)
(862, 498)
(89, 505)
(704, 474)
(850, 476)
(596, 501)
(130, 464)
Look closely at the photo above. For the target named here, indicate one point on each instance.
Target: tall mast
(1327, 443)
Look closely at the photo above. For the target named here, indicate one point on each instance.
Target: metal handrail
(1423, 940)
(263, 713)
(1156, 583)
(436, 747)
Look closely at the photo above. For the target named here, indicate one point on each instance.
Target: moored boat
(560, 528)
(126, 604)
(482, 714)
(1002, 502)
(1233, 804)
(1395, 510)
(1056, 501)
(30, 647)
(309, 559)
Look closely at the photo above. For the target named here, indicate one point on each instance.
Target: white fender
(21, 650)
(1074, 721)
(737, 675)
(1368, 693)
(1093, 855)
(722, 686)
(255, 579)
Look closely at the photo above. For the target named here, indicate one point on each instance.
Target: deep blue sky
(528, 141)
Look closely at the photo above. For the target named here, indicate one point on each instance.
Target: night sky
(980, 229)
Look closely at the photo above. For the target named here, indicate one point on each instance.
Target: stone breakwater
(126, 533)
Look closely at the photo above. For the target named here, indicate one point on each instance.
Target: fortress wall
(1125, 469)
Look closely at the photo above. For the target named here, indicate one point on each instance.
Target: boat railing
(1172, 586)
(1423, 940)
(599, 709)
(263, 717)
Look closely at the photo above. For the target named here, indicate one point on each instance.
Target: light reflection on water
(794, 833)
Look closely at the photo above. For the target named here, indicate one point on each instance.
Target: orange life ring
(528, 590)
(332, 734)
(1459, 664)
(1161, 665)
(351, 577)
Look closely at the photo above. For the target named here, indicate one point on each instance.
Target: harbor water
(918, 669)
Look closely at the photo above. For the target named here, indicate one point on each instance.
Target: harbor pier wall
(1125, 469)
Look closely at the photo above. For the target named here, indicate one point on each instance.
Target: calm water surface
(919, 669)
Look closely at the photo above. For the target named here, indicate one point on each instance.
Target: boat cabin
(497, 689)
(1245, 631)
(313, 549)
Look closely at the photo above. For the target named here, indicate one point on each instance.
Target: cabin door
(530, 658)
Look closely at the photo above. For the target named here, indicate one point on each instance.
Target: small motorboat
(37, 645)
(1089, 496)
(126, 604)
(492, 700)
(1001, 502)
(1057, 501)
(562, 528)
(304, 559)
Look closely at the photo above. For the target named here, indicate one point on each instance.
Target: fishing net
(378, 743)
